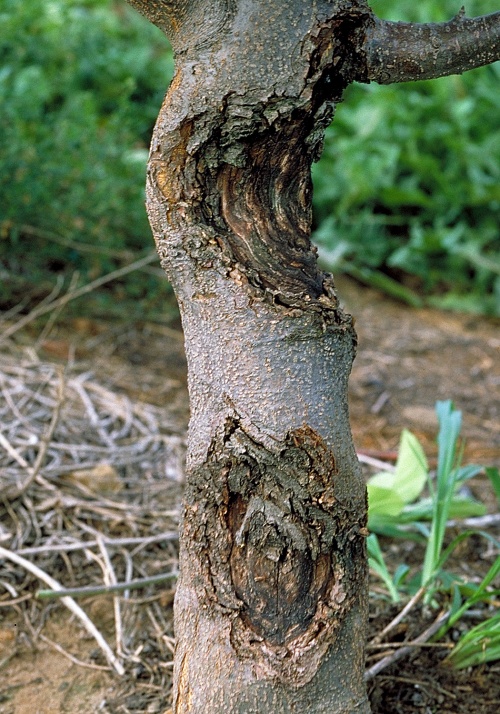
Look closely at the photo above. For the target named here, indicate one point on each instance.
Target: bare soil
(407, 359)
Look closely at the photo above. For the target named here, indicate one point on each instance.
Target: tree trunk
(271, 605)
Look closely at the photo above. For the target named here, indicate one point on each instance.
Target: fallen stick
(110, 580)
(105, 589)
(43, 309)
(71, 657)
(110, 542)
(378, 638)
(397, 645)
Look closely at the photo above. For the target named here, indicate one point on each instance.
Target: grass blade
(494, 476)
(377, 563)
(450, 421)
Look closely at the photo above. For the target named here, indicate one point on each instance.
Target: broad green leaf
(384, 501)
(388, 492)
(460, 507)
(411, 467)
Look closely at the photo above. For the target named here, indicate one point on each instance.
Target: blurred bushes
(408, 186)
(407, 192)
(81, 83)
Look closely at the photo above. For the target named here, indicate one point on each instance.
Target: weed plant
(397, 504)
(393, 497)
(481, 644)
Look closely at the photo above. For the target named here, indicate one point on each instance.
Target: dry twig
(13, 493)
(109, 581)
(394, 623)
(72, 658)
(110, 542)
(44, 308)
(107, 589)
(408, 648)
(93, 495)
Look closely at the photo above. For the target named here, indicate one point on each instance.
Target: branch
(407, 51)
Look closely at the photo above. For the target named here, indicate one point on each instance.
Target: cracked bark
(270, 610)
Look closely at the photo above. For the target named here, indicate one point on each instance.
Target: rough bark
(271, 605)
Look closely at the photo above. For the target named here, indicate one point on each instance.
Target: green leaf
(460, 507)
(457, 599)
(400, 574)
(377, 564)
(481, 644)
(465, 507)
(450, 421)
(384, 501)
(388, 492)
(411, 467)
(494, 476)
(467, 472)
(389, 526)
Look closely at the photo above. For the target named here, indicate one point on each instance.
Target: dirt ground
(407, 359)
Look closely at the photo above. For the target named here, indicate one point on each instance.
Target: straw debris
(90, 489)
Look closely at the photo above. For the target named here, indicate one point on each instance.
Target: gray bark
(406, 51)
(270, 610)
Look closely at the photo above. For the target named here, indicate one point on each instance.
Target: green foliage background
(408, 187)
(407, 193)
(81, 83)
